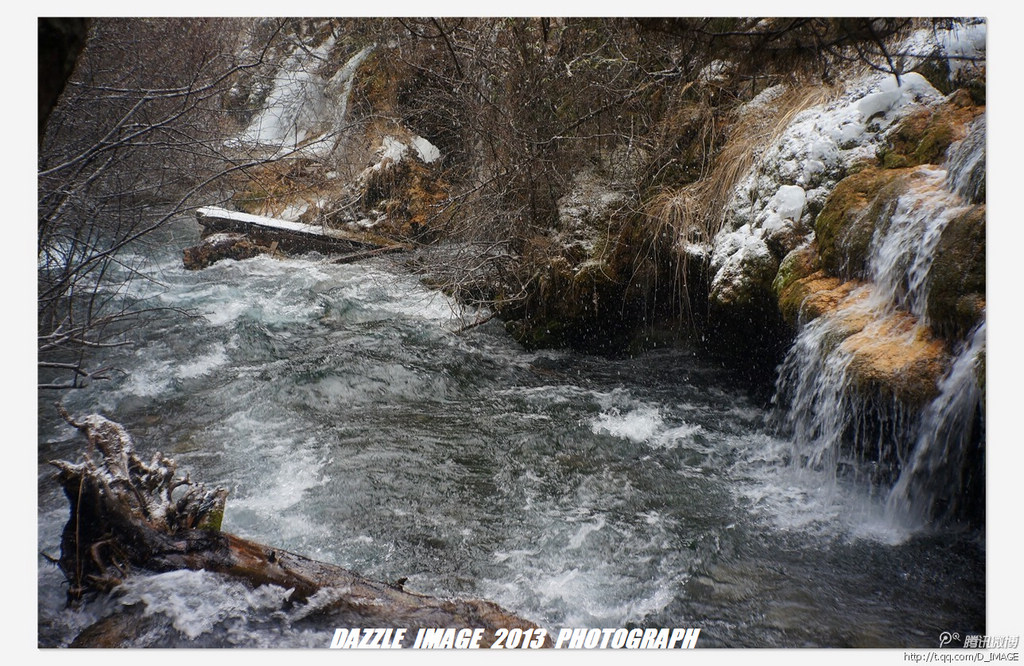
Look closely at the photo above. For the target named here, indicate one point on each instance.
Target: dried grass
(694, 213)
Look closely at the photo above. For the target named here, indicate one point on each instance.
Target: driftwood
(128, 515)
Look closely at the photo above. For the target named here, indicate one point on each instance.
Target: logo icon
(945, 638)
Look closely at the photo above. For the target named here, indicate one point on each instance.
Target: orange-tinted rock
(813, 296)
(896, 356)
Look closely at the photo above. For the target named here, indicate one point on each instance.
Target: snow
(734, 252)
(391, 149)
(294, 211)
(427, 151)
(766, 98)
(788, 202)
(893, 93)
(270, 222)
(716, 70)
(793, 176)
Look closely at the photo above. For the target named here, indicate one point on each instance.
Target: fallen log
(129, 515)
(229, 234)
(222, 245)
(291, 236)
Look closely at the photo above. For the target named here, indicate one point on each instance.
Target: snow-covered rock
(794, 176)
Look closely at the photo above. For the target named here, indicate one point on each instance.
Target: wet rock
(896, 357)
(785, 236)
(892, 354)
(812, 296)
(859, 205)
(956, 300)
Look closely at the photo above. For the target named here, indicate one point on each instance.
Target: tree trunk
(127, 514)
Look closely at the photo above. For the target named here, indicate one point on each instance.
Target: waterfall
(302, 106)
(966, 163)
(948, 461)
(901, 256)
(925, 455)
(834, 429)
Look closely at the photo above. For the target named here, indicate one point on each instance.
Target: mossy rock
(410, 194)
(810, 297)
(935, 69)
(956, 297)
(799, 263)
(859, 204)
(923, 137)
(378, 82)
(893, 160)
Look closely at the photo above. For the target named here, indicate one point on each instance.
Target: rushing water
(352, 424)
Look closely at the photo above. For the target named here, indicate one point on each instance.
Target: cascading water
(942, 479)
(930, 455)
(966, 163)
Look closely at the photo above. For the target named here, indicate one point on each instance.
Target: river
(351, 423)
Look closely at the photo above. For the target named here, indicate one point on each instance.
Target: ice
(964, 41)
(301, 104)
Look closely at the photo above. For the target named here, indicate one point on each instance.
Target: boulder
(859, 205)
(956, 297)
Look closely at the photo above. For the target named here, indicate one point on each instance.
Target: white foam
(585, 530)
(203, 364)
(196, 601)
(637, 425)
(672, 437)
